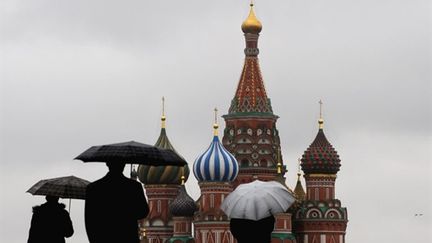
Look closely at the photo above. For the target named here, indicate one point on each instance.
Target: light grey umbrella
(257, 200)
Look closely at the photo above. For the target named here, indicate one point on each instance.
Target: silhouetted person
(113, 206)
(247, 231)
(50, 222)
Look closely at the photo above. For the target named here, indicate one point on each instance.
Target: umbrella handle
(70, 200)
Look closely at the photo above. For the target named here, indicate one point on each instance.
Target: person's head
(52, 199)
(116, 167)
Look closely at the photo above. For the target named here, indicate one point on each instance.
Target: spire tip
(215, 125)
(321, 120)
(163, 117)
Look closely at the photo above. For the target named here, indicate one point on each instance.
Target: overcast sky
(79, 73)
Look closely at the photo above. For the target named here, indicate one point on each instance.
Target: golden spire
(298, 190)
(251, 24)
(279, 164)
(163, 118)
(215, 125)
(321, 120)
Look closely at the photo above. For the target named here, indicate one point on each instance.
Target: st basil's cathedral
(250, 149)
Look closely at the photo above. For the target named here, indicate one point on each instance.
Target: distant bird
(418, 214)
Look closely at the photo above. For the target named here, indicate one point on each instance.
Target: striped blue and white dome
(216, 163)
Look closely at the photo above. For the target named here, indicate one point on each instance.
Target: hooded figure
(247, 231)
(50, 222)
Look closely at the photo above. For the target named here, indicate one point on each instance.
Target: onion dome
(251, 25)
(320, 157)
(183, 205)
(169, 174)
(216, 164)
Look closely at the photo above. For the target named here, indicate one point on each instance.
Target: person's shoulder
(97, 182)
(36, 209)
(133, 182)
(62, 206)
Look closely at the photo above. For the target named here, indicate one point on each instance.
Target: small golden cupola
(251, 25)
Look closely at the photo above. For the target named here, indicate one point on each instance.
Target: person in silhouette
(246, 231)
(113, 206)
(50, 222)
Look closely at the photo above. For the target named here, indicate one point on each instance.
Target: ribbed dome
(150, 175)
(251, 24)
(320, 157)
(216, 163)
(183, 205)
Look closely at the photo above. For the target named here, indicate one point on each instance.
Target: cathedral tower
(182, 208)
(162, 184)
(215, 171)
(250, 132)
(320, 217)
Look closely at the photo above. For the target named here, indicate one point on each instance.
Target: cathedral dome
(251, 25)
(151, 175)
(320, 157)
(216, 164)
(183, 205)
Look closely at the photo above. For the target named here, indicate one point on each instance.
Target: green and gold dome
(156, 175)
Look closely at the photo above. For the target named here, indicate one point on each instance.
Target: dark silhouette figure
(50, 222)
(113, 206)
(247, 231)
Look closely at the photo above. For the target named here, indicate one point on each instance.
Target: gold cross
(163, 106)
(321, 103)
(215, 111)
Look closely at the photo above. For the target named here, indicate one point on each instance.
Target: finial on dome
(163, 118)
(251, 24)
(215, 125)
(321, 120)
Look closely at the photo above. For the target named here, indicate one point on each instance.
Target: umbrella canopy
(257, 200)
(132, 153)
(63, 187)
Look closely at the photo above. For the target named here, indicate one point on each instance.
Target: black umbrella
(70, 187)
(131, 153)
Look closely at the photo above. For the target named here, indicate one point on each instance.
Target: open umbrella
(131, 153)
(257, 200)
(70, 187)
